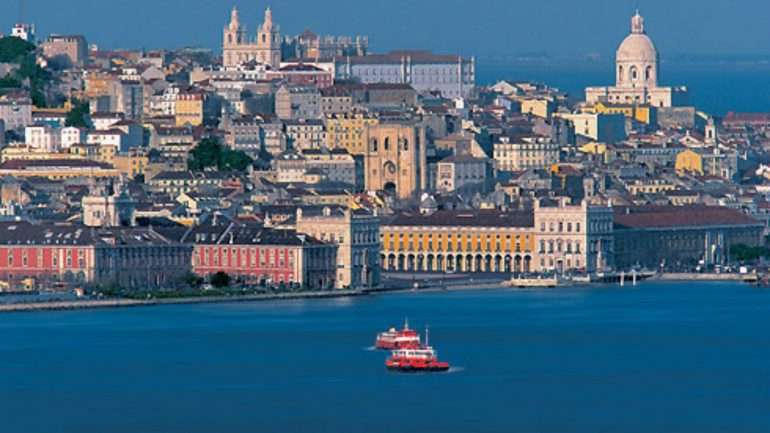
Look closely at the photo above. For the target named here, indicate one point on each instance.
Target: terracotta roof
(466, 218)
(650, 217)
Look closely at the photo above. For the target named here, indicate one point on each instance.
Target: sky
(485, 28)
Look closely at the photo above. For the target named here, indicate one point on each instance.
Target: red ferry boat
(422, 359)
(398, 339)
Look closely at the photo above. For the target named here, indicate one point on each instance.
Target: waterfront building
(239, 48)
(357, 236)
(260, 255)
(636, 71)
(554, 236)
(459, 241)
(682, 237)
(573, 237)
(451, 75)
(126, 257)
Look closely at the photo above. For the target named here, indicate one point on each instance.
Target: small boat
(421, 359)
(398, 339)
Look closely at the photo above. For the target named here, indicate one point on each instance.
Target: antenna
(427, 336)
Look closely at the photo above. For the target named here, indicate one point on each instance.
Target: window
(387, 143)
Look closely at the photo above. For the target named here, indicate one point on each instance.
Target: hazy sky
(480, 27)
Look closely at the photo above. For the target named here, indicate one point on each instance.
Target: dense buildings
(309, 161)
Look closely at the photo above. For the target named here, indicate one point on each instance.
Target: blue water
(716, 88)
(658, 358)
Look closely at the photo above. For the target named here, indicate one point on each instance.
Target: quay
(124, 303)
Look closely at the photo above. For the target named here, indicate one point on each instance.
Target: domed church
(636, 74)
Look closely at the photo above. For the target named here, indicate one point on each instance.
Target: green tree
(210, 153)
(9, 82)
(78, 115)
(745, 253)
(220, 280)
(12, 49)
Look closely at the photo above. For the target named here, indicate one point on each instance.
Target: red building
(304, 75)
(260, 255)
(73, 253)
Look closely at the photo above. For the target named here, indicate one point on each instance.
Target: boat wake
(370, 349)
(455, 369)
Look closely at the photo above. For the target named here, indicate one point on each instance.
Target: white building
(636, 70)
(573, 236)
(24, 31)
(72, 135)
(43, 138)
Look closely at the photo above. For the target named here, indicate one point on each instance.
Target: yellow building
(593, 148)
(23, 152)
(645, 114)
(689, 161)
(189, 109)
(133, 163)
(459, 241)
(348, 131)
(540, 107)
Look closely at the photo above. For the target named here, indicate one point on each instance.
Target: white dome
(637, 47)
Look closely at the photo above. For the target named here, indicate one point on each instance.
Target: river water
(660, 357)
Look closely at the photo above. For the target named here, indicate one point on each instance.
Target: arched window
(386, 144)
(374, 145)
(406, 144)
(230, 38)
(648, 73)
(634, 73)
(264, 38)
(620, 72)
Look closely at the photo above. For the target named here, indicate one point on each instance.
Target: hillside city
(309, 162)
